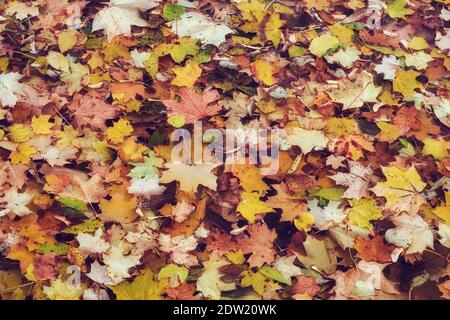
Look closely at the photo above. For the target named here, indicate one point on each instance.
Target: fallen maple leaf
(190, 177)
(91, 110)
(357, 180)
(197, 25)
(194, 106)
(9, 87)
(119, 15)
(210, 283)
(259, 244)
(250, 206)
(317, 256)
(402, 189)
(143, 287)
(374, 249)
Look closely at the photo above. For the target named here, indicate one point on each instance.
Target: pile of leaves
(92, 207)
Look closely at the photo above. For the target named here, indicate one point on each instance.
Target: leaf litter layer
(92, 205)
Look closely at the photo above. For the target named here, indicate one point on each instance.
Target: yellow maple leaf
(143, 287)
(389, 132)
(186, 76)
(418, 43)
(362, 212)
(344, 34)
(60, 290)
(397, 9)
(66, 136)
(443, 213)
(405, 82)
(36, 236)
(250, 177)
(263, 70)
(119, 131)
(67, 39)
(120, 208)
(96, 60)
(21, 254)
(210, 283)
(250, 206)
(272, 29)
(253, 10)
(256, 280)
(235, 257)
(19, 133)
(178, 51)
(438, 148)
(323, 44)
(317, 4)
(304, 221)
(130, 150)
(114, 50)
(23, 154)
(402, 189)
(42, 124)
(190, 177)
(341, 126)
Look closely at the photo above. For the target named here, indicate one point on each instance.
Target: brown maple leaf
(184, 291)
(306, 285)
(291, 207)
(379, 38)
(259, 244)
(91, 110)
(221, 242)
(407, 119)
(374, 249)
(194, 106)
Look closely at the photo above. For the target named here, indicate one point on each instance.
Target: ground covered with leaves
(93, 207)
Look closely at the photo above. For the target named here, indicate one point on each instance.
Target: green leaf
(172, 11)
(334, 194)
(173, 270)
(88, 226)
(148, 168)
(273, 273)
(58, 249)
(317, 256)
(73, 204)
(397, 9)
(323, 45)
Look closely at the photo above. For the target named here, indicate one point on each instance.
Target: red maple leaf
(194, 106)
(91, 110)
(374, 249)
(221, 242)
(306, 285)
(184, 291)
(259, 244)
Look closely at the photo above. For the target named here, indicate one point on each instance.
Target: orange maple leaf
(373, 249)
(259, 244)
(194, 106)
